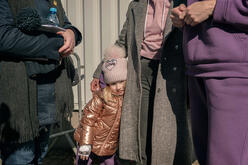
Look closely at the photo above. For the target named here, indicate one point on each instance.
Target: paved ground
(64, 155)
(56, 158)
(61, 153)
(60, 157)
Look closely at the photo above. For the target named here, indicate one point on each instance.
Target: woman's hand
(177, 16)
(198, 12)
(69, 42)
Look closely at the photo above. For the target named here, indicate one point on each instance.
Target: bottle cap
(52, 9)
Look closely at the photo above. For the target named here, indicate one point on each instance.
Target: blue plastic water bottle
(52, 16)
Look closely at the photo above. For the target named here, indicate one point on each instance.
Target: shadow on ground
(60, 154)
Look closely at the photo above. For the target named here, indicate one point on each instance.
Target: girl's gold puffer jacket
(100, 124)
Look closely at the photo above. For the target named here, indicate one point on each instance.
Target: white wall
(100, 22)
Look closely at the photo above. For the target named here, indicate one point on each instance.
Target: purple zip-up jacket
(218, 47)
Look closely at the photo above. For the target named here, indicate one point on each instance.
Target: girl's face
(118, 88)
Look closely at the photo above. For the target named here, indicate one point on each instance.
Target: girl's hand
(84, 157)
(95, 85)
(84, 151)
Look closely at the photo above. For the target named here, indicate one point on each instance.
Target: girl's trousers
(101, 160)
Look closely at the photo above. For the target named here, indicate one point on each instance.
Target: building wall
(100, 22)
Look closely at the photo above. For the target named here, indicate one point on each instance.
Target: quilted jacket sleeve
(90, 115)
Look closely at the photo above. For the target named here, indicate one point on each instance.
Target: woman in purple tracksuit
(216, 56)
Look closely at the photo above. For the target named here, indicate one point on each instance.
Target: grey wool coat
(171, 142)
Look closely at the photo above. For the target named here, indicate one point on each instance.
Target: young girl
(98, 132)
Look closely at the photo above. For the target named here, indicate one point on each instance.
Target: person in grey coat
(35, 79)
(154, 124)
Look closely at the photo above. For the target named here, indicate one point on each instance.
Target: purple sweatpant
(220, 120)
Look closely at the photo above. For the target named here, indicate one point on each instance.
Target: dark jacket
(18, 92)
(171, 143)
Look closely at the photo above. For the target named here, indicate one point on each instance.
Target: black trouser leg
(149, 70)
